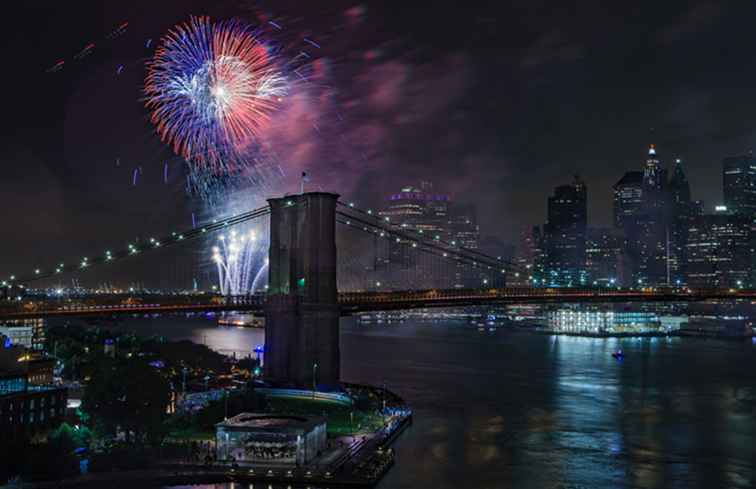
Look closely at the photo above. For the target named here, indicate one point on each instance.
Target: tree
(129, 397)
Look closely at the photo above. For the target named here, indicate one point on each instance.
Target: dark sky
(495, 102)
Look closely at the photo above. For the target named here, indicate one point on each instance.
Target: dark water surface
(506, 409)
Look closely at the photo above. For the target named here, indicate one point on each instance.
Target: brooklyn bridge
(302, 303)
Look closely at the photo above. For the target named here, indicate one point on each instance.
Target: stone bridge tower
(302, 312)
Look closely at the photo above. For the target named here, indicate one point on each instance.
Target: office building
(565, 235)
(628, 193)
(530, 258)
(419, 209)
(29, 333)
(739, 184)
(603, 257)
(28, 404)
(681, 213)
(718, 251)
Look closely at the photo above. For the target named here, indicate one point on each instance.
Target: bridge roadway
(356, 302)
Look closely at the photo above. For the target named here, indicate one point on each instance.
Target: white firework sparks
(236, 256)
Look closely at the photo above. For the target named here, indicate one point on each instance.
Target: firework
(211, 88)
(236, 256)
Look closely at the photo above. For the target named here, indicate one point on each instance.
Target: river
(500, 408)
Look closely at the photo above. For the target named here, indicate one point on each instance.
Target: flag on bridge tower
(305, 179)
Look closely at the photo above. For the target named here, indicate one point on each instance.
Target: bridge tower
(302, 313)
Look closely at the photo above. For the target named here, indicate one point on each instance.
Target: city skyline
(251, 242)
(523, 104)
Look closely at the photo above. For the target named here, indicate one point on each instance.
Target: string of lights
(133, 249)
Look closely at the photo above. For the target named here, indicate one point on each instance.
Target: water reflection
(513, 409)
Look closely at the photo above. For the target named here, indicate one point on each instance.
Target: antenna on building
(302, 182)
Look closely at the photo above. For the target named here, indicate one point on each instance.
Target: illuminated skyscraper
(654, 173)
(718, 251)
(681, 213)
(565, 235)
(463, 226)
(530, 257)
(419, 209)
(628, 194)
(603, 257)
(650, 236)
(739, 184)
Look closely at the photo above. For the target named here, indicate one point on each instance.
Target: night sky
(496, 103)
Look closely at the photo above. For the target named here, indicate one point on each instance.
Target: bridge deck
(356, 302)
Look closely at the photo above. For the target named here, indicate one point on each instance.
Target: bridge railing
(124, 303)
(525, 292)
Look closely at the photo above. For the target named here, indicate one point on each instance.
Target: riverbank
(357, 460)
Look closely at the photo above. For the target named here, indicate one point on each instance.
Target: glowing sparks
(235, 257)
(211, 88)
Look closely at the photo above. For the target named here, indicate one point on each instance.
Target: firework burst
(211, 88)
(235, 256)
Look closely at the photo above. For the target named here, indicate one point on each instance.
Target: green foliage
(67, 436)
(129, 397)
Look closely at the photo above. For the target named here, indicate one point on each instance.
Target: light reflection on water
(508, 409)
(201, 329)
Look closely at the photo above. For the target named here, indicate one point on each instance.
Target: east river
(496, 409)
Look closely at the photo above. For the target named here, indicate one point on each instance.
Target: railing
(357, 301)
(180, 304)
(545, 294)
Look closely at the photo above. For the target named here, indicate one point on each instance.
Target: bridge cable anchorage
(381, 224)
(151, 244)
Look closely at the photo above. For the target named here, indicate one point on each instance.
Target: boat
(242, 321)
(618, 355)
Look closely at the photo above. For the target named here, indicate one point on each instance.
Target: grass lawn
(342, 420)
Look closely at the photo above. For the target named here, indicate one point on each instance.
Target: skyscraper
(463, 229)
(463, 226)
(603, 257)
(654, 174)
(652, 224)
(739, 184)
(679, 187)
(419, 209)
(718, 251)
(628, 194)
(565, 235)
(530, 257)
(681, 213)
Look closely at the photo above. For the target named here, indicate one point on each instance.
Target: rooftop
(271, 423)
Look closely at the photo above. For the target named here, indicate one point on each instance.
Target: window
(31, 404)
(42, 402)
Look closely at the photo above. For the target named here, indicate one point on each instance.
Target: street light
(314, 374)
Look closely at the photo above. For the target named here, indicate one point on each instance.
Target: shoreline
(362, 465)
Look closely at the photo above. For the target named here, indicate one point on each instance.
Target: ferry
(242, 321)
